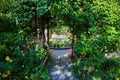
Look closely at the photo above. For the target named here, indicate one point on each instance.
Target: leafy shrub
(111, 66)
(7, 24)
(25, 65)
(90, 58)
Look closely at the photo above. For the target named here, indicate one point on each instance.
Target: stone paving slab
(60, 66)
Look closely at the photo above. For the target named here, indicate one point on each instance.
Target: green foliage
(23, 11)
(108, 12)
(15, 64)
(99, 18)
(26, 10)
(89, 57)
(77, 14)
(91, 61)
(111, 37)
(7, 24)
(111, 66)
(60, 29)
(59, 8)
(5, 6)
(18, 58)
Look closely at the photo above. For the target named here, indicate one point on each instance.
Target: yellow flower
(8, 72)
(10, 61)
(117, 78)
(7, 58)
(4, 75)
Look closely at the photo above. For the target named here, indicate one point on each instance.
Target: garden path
(60, 65)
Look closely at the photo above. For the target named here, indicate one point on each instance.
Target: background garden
(95, 29)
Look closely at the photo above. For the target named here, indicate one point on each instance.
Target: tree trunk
(73, 38)
(48, 34)
(43, 33)
(42, 29)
